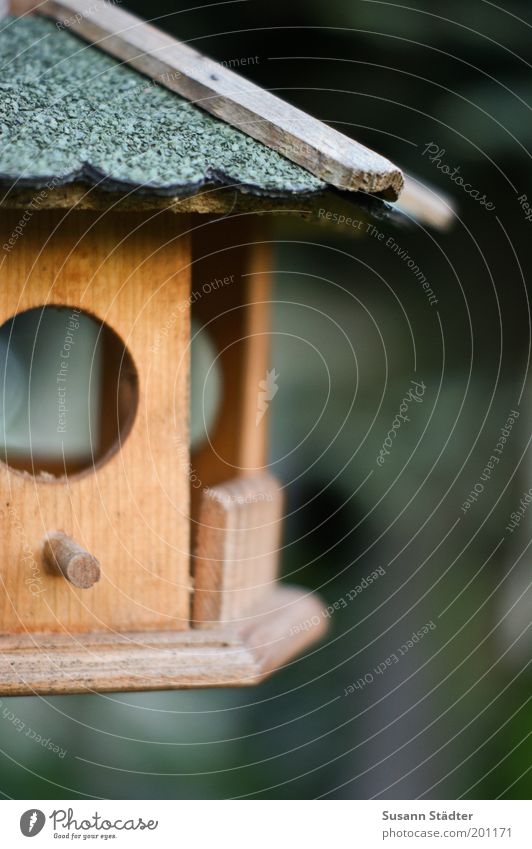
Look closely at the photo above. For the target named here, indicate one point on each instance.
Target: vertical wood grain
(132, 512)
(237, 548)
(237, 318)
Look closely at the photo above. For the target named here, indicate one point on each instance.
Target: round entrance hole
(68, 391)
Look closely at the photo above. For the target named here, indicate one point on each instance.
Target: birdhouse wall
(132, 511)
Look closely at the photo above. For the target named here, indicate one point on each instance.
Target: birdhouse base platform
(233, 655)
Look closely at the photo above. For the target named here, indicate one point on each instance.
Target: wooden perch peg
(322, 150)
(63, 555)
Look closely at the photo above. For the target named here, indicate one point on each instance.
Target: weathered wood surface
(418, 201)
(212, 200)
(237, 319)
(237, 550)
(423, 203)
(427, 205)
(240, 655)
(303, 139)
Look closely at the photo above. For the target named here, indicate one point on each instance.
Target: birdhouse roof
(87, 129)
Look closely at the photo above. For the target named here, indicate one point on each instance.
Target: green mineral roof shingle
(68, 112)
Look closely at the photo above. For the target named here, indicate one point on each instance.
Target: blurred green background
(352, 328)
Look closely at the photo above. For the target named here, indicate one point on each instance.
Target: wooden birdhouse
(133, 558)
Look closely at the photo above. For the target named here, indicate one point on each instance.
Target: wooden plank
(237, 548)
(208, 201)
(237, 319)
(131, 511)
(22, 7)
(240, 655)
(426, 205)
(320, 149)
(258, 282)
